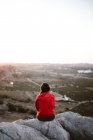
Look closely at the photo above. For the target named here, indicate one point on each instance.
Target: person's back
(45, 103)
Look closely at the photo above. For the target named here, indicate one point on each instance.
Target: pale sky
(46, 31)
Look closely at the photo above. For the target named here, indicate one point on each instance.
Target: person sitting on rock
(45, 104)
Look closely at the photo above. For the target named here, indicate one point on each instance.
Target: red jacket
(44, 104)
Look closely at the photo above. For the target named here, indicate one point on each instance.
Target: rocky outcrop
(79, 127)
(53, 130)
(66, 126)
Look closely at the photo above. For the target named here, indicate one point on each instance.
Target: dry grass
(19, 104)
(17, 95)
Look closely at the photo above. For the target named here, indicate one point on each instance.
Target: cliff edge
(66, 126)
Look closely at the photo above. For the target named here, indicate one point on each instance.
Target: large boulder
(79, 127)
(53, 130)
(66, 126)
(33, 129)
(13, 131)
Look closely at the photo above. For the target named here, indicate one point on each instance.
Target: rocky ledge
(66, 126)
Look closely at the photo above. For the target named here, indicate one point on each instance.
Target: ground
(20, 83)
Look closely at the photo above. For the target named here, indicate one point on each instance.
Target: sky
(46, 31)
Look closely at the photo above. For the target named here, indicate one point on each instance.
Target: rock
(33, 129)
(13, 131)
(66, 126)
(53, 130)
(79, 127)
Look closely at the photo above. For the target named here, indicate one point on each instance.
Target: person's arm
(53, 101)
(36, 104)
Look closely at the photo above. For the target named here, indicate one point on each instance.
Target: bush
(11, 107)
(22, 109)
(1, 102)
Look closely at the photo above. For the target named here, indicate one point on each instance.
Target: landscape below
(20, 83)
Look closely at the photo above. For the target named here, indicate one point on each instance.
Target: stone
(65, 126)
(51, 129)
(13, 131)
(79, 127)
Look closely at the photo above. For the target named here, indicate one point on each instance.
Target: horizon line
(7, 63)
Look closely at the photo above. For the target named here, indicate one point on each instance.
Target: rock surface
(79, 127)
(66, 126)
(53, 130)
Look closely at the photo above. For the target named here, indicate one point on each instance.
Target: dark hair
(45, 87)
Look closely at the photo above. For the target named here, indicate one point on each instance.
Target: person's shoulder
(38, 96)
(51, 93)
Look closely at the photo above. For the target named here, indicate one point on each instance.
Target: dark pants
(48, 118)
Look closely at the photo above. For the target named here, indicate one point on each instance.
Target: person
(45, 104)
